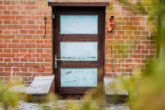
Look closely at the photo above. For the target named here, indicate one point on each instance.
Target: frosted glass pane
(79, 24)
(78, 77)
(79, 51)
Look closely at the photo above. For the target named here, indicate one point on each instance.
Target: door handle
(55, 61)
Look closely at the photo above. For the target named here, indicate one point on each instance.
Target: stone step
(38, 89)
(114, 96)
(40, 85)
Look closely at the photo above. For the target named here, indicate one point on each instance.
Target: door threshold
(71, 97)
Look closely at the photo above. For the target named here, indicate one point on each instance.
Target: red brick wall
(26, 51)
(130, 44)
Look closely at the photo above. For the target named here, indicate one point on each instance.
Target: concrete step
(114, 96)
(37, 90)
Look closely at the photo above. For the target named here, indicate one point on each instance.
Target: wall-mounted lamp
(111, 23)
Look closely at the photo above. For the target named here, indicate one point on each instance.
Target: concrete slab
(19, 88)
(108, 91)
(40, 85)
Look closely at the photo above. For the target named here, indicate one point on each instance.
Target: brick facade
(26, 48)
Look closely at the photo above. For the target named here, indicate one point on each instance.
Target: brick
(3, 8)
(120, 32)
(23, 2)
(137, 23)
(32, 41)
(15, 27)
(24, 55)
(39, 12)
(7, 2)
(3, 26)
(40, 60)
(40, 31)
(31, 7)
(46, 46)
(152, 52)
(137, 18)
(30, 46)
(23, 22)
(15, 31)
(16, 7)
(6, 31)
(31, 59)
(141, 28)
(16, 59)
(7, 17)
(150, 47)
(31, 65)
(15, 12)
(5, 74)
(48, 59)
(36, 55)
(129, 27)
(15, 22)
(40, 69)
(15, 46)
(1, 50)
(1, 2)
(1, 69)
(24, 69)
(16, 69)
(15, 41)
(3, 45)
(46, 64)
(23, 51)
(7, 69)
(45, 55)
(7, 59)
(23, 41)
(7, 50)
(31, 22)
(40, 22)
(31, 27)
(23, 74)
(48, 50)
(3, 64)
(38, 2)
(6, 12)
(23, 31)
(111, 41)
(145, 51)
(15, 64)
(48, 40)
(39, 50)
(23, 13)
(24, 59)
(23, 17)
(31, 31)
(48, 70)
(31, 50)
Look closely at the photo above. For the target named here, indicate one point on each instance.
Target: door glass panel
(79, 77)
(79, 51)
(78, 24)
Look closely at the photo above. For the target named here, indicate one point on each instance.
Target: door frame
(100, 39)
